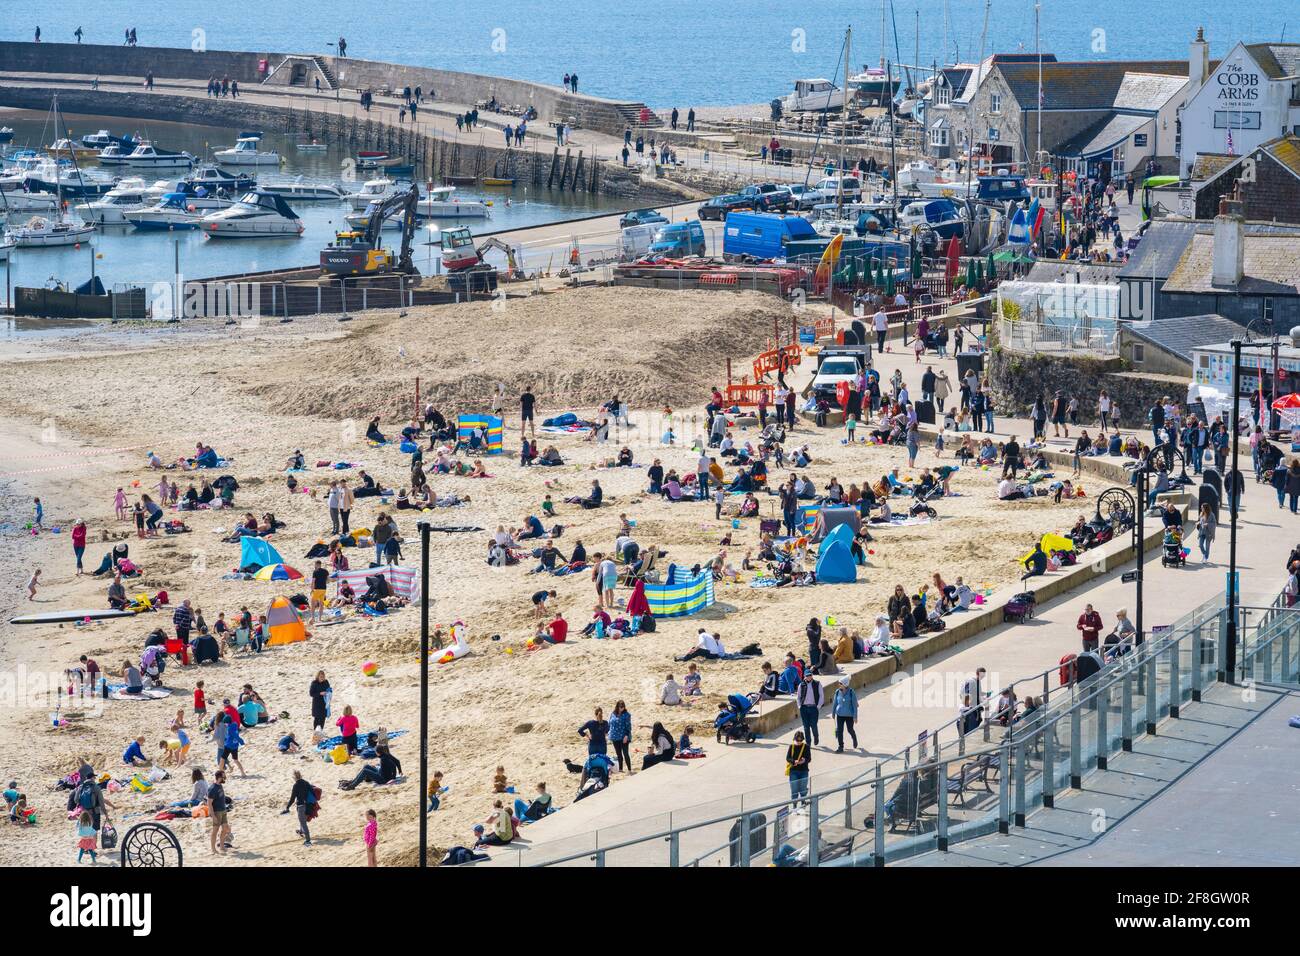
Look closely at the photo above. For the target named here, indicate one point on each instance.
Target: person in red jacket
(1090, 625)
(79, 542)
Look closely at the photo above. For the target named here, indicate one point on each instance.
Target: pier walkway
(436, 118)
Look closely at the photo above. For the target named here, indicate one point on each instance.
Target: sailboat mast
(1038, 112)
(844, 117)
(882, 33)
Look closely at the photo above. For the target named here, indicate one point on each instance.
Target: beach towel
(149, 693)
(332, 742)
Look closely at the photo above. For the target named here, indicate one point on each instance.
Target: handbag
(107, 837)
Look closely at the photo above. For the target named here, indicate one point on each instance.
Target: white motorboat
(921, 177)
(258, 214)
(49, 231)
(301, 189)
(172, 211)
(67, 149)
(98, 140)
(64, 176)
(129, 195)
(441, 204)
(215, 179)
(246, 153)
(312, 147)
(374, 190)
(145, 155)
(813, 95)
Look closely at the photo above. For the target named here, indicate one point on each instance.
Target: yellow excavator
(359, 253)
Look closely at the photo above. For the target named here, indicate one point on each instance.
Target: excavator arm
(492, 242)
(404, 204)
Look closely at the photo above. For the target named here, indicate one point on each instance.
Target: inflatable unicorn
(459, 645)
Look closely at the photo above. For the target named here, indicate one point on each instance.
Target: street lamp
(423, 527)
(1167, 451)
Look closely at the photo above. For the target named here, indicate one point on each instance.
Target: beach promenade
(893, 713)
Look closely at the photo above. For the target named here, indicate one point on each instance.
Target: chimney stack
(1198, 62)
(1229, 242)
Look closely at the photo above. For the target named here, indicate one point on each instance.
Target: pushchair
(1020, 608)
(919, 505)
(731, 723)
(1174, 556)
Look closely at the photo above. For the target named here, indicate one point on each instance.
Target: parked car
(769, 197)
(679, 239)
(639, 217)
(718, 207)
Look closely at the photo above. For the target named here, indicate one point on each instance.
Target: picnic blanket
(149, 693)
(331, 742)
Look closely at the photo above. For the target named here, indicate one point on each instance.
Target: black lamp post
(424, 691)
(1167, 451)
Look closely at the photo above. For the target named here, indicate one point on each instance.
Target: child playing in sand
(371, 837)
(548, 507)
(436, 790)
(850, 424)
(288, 744)
(85, 836)
(692, 686)
(685, 747)
(499, 784)
(200, 702)
(40, 513)
(33, 583)
(119, 504)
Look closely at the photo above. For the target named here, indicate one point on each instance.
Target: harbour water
(672, 52)
(121, 255)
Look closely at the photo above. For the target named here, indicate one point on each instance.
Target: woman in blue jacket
(620, 735)
(845, 708)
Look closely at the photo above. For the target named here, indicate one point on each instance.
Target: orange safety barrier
(824, 328)
(746, 393)
(772, 359)
(718, 278)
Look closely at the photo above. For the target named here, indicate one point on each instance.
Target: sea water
(670, 52)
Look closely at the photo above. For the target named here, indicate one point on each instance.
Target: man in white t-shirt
(881, 323)
(702, 476)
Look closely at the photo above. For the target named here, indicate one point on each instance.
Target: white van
(635, 241)
(833, 188)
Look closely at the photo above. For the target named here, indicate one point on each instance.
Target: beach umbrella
(953, 258)
(277, 572)
(979, 273)
(880, 274)
(889, 280)
(970, 273)
(916, 264)
(992, 270)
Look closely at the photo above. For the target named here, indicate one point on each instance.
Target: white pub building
(1252, 96)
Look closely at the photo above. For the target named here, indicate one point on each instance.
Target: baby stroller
(1020, 608)
(730, 723)
(1173, 556)
(919, 506)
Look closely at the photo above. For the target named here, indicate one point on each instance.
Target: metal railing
(949, 787)
(1094, 336)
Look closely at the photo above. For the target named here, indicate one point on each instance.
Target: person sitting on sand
(373, 433)
(386, 771)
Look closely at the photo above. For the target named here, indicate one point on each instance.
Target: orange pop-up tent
(283, 625)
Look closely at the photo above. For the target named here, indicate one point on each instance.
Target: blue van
(760, 235)
(679, 239)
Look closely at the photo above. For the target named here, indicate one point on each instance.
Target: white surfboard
(63, 617)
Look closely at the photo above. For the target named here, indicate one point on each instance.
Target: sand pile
(574, 348)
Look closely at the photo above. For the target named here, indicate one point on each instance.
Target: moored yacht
(257, 214)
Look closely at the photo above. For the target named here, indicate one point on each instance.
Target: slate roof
(1103, 135)
(1073, 85)
(1209, 165)
(1159, 249)
(1278, 60)
(1052, 270)
(1179, 336)
(1271, 266)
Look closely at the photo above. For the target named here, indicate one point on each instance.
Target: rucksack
(648, 623)
(86, 796)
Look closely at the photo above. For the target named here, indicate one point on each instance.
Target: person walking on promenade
(844, 706)
(798, 757)
(811, 697)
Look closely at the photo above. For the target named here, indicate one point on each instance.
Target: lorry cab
(757, 235)
(679, 239)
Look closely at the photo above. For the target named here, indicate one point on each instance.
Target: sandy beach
(80, 412)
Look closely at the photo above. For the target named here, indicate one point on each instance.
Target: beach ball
(510, 650)
(370, 668)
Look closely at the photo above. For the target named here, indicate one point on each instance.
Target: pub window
(1268, 309)
(1139, 354)
(945, 94)
(995, 103)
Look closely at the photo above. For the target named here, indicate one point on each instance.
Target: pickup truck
(839, 364)
(769, 197)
